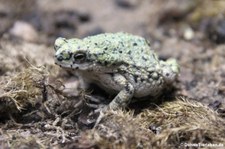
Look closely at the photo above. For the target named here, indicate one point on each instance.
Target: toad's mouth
(67, 66)
(75, 66)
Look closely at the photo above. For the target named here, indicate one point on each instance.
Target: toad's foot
(96, 102)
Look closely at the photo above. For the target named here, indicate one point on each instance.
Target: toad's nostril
(56, 47)
(59, 57)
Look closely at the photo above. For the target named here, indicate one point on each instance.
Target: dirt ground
(41, 105)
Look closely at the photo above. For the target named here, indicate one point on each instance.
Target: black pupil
(79, 56)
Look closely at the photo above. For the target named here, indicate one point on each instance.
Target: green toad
(120, 63)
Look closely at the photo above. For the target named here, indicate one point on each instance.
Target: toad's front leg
(122, 99)
(124, 96)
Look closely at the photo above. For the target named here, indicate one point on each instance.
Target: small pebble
(24, 31)
(188, 34)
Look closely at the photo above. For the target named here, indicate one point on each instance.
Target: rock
(214, 28)
(24, 31)
(127, 3)
(188, 33)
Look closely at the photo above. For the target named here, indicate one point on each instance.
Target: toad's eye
(79, 57)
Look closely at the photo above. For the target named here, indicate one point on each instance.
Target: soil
(41, 105)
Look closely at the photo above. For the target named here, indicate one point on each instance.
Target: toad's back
(121, 48)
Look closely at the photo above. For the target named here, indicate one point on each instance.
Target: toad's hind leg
(124, 96)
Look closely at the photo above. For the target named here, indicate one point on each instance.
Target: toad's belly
(141, 88)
